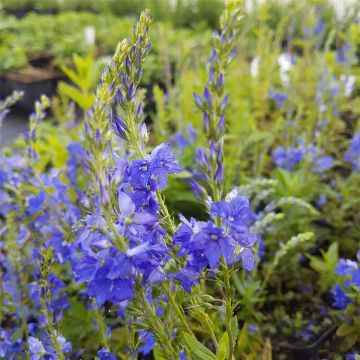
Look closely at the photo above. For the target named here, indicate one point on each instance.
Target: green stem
(228, 307)
(102, 331)
(212, 334)
(157, 327)
(51, 330)
(178, 311)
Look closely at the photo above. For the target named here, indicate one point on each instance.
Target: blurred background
(42, 42)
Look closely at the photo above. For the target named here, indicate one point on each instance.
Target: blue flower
(128, 214)
(147, 342)
(179, 140)
(3, 177)
(342, 55)
(163, 163)
(248, 259)
(215, 244)
(288, 158)
(204, 242)
(36, 348)
(353, 154)
(345, 267)
(115, 291)
(234, 213)
(140, 174)
(321, 201)
(158, 165)
(322, 164)
(8, 345)
(36, 202)
(355, 279)
(352, 356)
(279, 98)
(65, 345)
(187, 278)
(107, 275)
(341, 300)
(75, 150)
(105, 354)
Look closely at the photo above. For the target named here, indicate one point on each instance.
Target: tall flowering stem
(46, 263)
(98, 134)
(34, 121)
(127, 191)
(213, 104)
(129, 123)
(9, 101)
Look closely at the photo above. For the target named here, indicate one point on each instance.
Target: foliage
(224, 225)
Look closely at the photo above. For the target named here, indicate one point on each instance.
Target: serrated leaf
(197, 349)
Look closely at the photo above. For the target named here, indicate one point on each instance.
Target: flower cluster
(213, 102)
(289, 157)
(109, 273)
(225, 235)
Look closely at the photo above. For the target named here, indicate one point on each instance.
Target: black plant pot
(20, 12)
(41, 62)
(33, 88)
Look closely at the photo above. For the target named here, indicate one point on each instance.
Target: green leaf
(317, 264)
(348, 342)
(183, 175)
(197, 349)
(157, 353)
(223, 346)
(267, 354)
(83, 100)
(345, 329)
(234, 329)
(331, 255)
(71, 74)
(242, 339)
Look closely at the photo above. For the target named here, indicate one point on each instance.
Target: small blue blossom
(36, 202)
(105, 354)
(279, 98)
(288, 158)
(341, 300)
(345, 267)
(322, 164)
(353, 154)
(342, 55)
(321, 201)
(148, 341)
(36, 348)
